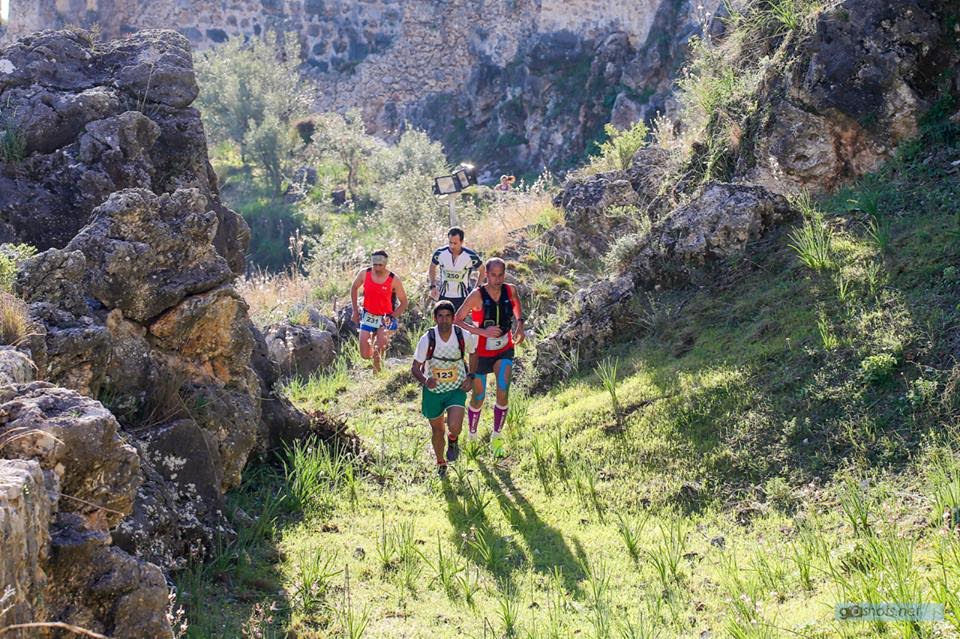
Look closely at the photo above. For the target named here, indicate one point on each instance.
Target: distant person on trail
(384, 300)
(506, 183)
(438, 366)
(498, 322)
(455, 262)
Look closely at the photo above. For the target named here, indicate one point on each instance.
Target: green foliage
(813, 243)
(10, 257)
(13, 143)
(620, 146)
(250, 93)
(878, 368)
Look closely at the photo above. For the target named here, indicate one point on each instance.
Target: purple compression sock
(473, 418)
(499, 415)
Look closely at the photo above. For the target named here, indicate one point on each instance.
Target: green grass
(774, 440)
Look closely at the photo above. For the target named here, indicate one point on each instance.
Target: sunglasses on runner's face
(378, 260)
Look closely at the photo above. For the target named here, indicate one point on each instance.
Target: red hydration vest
(495, 313)
(378, 298)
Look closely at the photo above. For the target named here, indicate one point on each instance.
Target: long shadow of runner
(548, 547)
(474, 534)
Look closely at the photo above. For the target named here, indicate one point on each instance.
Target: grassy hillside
(763, 444)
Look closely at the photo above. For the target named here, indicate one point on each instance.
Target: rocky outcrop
(718, 223)
(98, 118)
(146, 253)
(25, 511)
(79, 440)
(854, 90)
(299, 350)
(133, 304)
(67, 480)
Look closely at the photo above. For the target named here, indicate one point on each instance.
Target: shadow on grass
(548, 547)
(480, 541)
(241, 580)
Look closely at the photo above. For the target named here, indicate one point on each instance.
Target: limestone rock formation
(718, 223)
(25, 511)
(858, 88)
(299, 350)
(97, 118)
(133, 304)
(16, 367)
(146, 253)
(69, 478)
(78, 439)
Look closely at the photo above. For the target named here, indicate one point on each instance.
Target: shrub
(622, 251)
(10, 257)
(618, 151)
(250, 94)
(878, 368)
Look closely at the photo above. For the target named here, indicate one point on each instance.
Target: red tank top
(378, 298)
(487, 314)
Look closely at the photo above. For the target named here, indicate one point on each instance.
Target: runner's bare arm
(357, 283)
(481, 275)
(468, 305)
(401, 295)
(518, 334)
(417, 370)
(432, 275)
(471, 370)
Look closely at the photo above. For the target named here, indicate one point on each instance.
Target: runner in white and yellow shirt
(438, 365)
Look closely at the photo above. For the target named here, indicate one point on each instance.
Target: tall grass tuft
(14, 320)
(630, 532)
(607, 371)
(667, 555)
(508, 611)
(314, 570)
(813, 243)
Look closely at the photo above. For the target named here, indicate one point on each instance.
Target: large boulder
(721, 221)
(299, 350)
(97, 118)
(78, 439)
(855, 90)
(146, 253)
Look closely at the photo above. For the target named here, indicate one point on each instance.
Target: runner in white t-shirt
(438, 364)
(455, 263)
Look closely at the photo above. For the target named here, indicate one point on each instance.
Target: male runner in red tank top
(498, 321)
(378, 322)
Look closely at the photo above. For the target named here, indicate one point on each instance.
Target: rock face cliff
(146, 404)
(514, 85)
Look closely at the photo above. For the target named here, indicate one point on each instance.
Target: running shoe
(496, 446)
(453, 451)
(442, 471)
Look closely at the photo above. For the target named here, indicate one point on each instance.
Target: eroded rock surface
(720, 222)
(25, 511)
(300, 350)
(98, 118)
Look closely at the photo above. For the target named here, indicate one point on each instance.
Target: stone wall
(444, 65)
(363, 52)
